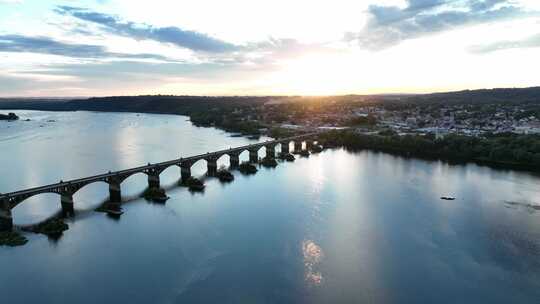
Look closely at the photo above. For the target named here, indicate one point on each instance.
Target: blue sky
(120, 47)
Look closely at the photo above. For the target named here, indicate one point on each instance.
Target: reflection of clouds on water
(312, 258)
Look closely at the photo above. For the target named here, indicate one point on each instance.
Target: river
(337, 227)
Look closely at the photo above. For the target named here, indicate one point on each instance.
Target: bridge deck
(177, 161)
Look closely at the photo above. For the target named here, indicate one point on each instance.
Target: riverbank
(510, 151)
(226, 113)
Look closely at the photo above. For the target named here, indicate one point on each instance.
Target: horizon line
(268, 95)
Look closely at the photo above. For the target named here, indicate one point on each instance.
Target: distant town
(441, 120)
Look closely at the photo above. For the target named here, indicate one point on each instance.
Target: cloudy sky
(242, 47)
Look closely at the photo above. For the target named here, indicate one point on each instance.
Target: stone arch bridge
(66, 189)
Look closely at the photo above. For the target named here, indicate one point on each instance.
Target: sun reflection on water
(313, 255)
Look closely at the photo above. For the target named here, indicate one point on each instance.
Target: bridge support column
(309, 144)
(153, 181)
(297, 146)
(185, 171)
(6, 220)
(212, 166)
(253, 156)
(271, 151)
(115, 193)
(235, 160)
(66, 199)
(285, 148)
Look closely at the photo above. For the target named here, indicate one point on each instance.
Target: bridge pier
(271, 151)
(115, 193)
(153, 180)
(253, 156)
(6, 220)
(309, 144)
(185, 171)
(285, 148)
(297, 146)
(66, 199)
(235, 160)
(211, 164)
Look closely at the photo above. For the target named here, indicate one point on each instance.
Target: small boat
(448, 198)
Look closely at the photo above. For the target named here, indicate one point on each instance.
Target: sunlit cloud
(390, 25)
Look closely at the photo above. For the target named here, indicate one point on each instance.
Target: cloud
(45, 45)
(529, 42)
(11, 1)
(183, 38)
(390, 25)
(122, 77)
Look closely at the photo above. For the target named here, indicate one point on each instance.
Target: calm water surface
(338, 227)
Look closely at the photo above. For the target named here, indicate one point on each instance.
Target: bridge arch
(198, 167)
(134, 183)
(169, 174)
(243, 156)
(16, 201)
(91, 194)
(35, 208)
(198, 161)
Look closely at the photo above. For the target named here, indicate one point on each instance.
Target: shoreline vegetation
(504, 151)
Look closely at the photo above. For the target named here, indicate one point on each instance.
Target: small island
(156, 195)
(9, 117)
(224, 175)
(12, 239)
(194, 184)
(316, 149)
(247, 168)
(269, 162)
(304, 153)
(287, 156)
